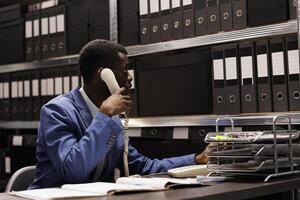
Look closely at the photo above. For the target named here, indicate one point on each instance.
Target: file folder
(61, 47)
(28, 37)
(213, 14)
(1, 98)
(201, 17)
(21, 106)
(75, 77)
(166, 20)
(52, 36)
(45, 33)
(177, 30)
(66, 74)
(219, 102)
(232, 77)
(14, 96)
(99, 19)
(264, 81)
(292, 9)
(128, 22)
(293, 72)
(279, 79)
(27, 96)
(6, 97)
(226, 15)
(35, 94)
(144, 22)
(248, 78)
(188, 19)
(37, 35)
(77, 25)
(239, 9)
(154, 21)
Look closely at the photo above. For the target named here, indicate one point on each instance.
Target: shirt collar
(92, 107)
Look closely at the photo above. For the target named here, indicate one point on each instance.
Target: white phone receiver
(109, 78)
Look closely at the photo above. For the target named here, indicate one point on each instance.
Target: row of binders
(23, 93)
(259, 76)
(163, 20)
(45, 32)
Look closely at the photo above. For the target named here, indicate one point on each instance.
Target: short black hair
(95, 54)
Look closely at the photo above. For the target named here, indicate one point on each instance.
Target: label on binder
(277, 63)
(218, 69)
(231, 71)
(246, 68)
(262, 65)
(293, 56)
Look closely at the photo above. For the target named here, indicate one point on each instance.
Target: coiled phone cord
(126, 142)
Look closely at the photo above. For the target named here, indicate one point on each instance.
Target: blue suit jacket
(71, 143)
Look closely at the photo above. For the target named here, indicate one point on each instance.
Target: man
(81, 130)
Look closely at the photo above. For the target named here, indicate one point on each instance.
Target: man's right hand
(116, 103)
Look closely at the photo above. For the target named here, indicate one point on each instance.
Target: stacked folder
(45, 34)
(267, 76)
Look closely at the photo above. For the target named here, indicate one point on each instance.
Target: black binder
(144, 22)
(35, 94)
(14, 79)
(213, 14)
(292, 9)
(264, 81)
(248, 77)
(226, 15)
(28, 37)
(293, 72)
(166, 20)
(128, 20)
(201, 17)
(263, 12)
(12, 42)
(45, 33)
(27, 95)
(61, 44)
(77, 24)
(188, 18)
(239, 9)
(219, 103)
(37, 42)
(66, 74)
(5, 102)
(279, 75)
(52, 35)
(232, 77)
(75, 77)
(177, 30)
(47, 84)
(99, 19)
(154, 21)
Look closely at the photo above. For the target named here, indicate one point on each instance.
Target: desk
(233, 190)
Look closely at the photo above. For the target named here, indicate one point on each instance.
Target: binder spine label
(218, 69)
(277, 63)
(246, 69)
(231, 70)
(293, 58)
(262, 65)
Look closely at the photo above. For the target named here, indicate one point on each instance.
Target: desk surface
(233, 190)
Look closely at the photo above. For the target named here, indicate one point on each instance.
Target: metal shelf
(248, 33)
(255, 119)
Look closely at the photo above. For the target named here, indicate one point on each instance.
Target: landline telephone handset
(109, 78)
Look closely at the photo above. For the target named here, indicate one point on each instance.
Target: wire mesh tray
(250, 136)
(251, 150)
(251, 166)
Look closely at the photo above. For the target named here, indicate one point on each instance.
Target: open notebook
(124, 184)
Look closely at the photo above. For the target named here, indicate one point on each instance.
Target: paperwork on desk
(123, 185)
